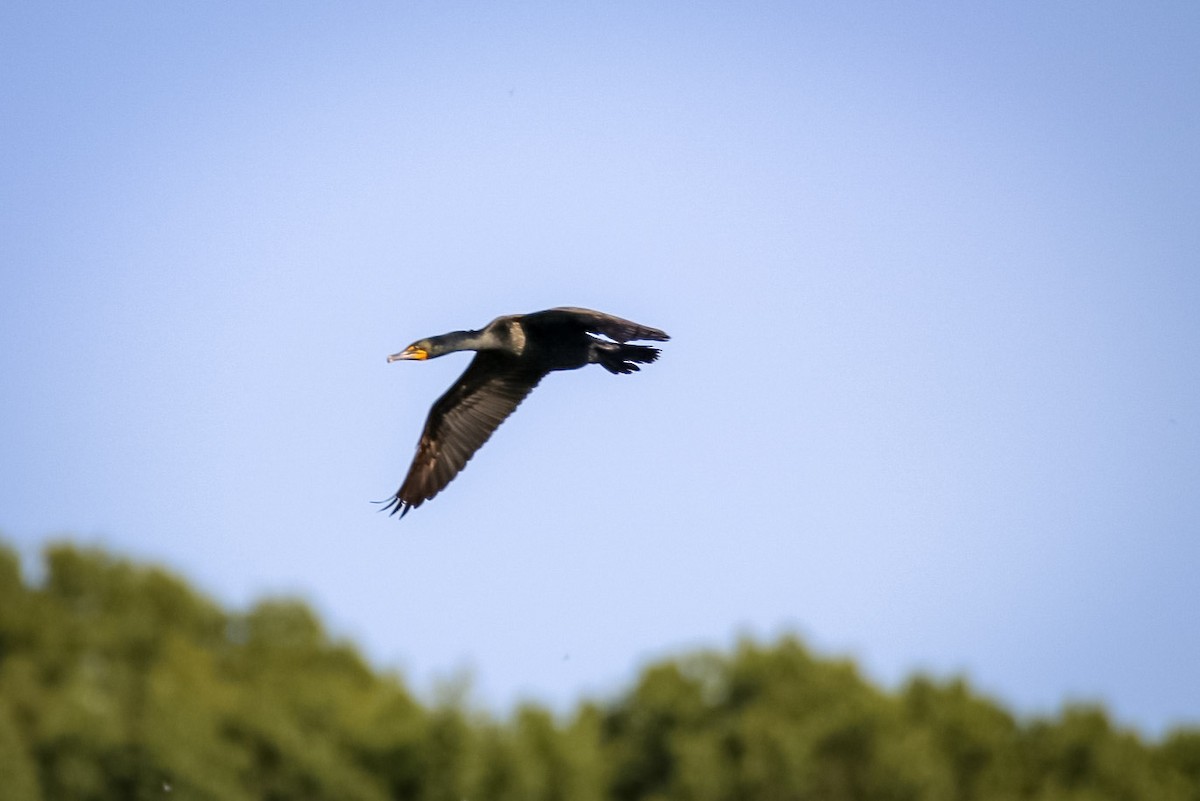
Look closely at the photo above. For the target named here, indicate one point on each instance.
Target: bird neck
(461, 340)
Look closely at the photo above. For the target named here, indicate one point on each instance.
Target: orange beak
(411, 352)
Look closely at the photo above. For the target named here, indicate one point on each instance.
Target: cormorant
(513, 353)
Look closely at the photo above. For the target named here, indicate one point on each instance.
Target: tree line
(118, 681)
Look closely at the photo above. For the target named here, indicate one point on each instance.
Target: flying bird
(512, 354)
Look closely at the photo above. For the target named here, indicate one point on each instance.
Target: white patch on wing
(517, 335)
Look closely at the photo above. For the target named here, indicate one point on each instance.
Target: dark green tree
(120, 682)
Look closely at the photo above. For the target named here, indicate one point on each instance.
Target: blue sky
(930, 270)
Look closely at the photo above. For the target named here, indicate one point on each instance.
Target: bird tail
(621, 358)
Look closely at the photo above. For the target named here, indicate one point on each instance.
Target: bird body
(513, 354)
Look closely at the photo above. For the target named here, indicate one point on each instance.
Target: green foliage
(120, 682)
(18, 773)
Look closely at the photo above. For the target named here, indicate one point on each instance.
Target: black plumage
(513, 353)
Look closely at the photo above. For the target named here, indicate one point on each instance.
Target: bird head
(432, 347)
(418, 351)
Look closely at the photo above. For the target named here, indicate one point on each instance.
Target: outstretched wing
(492, 386)
(615, 328)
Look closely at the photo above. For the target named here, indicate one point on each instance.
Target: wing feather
(615, 328)
(461, 420)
